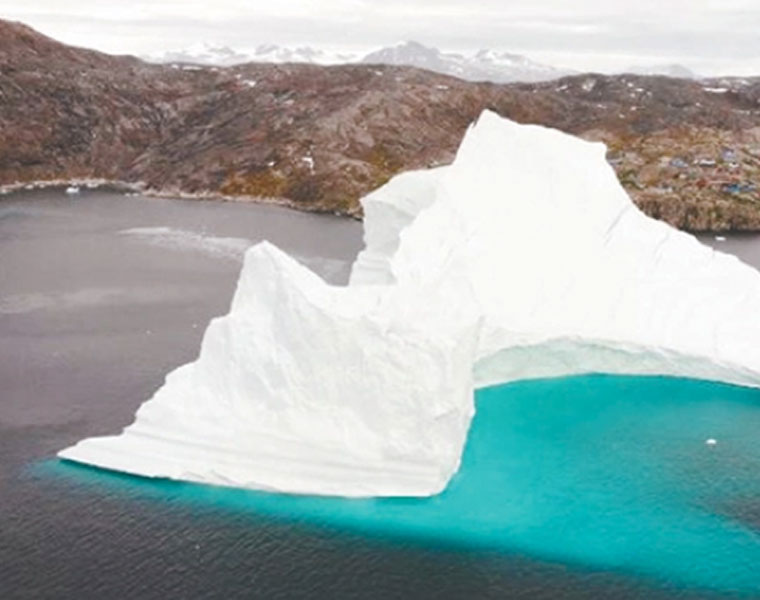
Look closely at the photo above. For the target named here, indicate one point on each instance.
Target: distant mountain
(202, 53)
(484, 65)
(304, 54)
(222, 56)
(674, 70)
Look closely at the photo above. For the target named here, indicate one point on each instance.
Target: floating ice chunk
(524, 258)
(71, 190)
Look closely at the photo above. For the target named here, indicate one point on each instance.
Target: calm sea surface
(587, 487)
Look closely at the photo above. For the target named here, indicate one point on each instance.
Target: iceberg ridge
(524, 258)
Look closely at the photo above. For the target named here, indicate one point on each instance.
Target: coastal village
(693, 175)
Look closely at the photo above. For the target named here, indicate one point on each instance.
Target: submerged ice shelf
(525, 258)
(541, 479)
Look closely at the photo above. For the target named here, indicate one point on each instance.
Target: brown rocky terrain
(317, 138)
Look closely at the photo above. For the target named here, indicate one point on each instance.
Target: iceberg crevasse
(524, 258)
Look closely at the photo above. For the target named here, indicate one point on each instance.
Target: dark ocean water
(593, 487)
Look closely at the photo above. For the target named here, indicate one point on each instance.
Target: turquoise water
(595, 472)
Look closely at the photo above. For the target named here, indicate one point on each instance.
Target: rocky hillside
(317, 138)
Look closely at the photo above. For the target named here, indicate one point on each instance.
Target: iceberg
(524, 258)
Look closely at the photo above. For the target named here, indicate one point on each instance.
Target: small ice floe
(720, 238)
(711, 442)
(181, 240)
(72, 189)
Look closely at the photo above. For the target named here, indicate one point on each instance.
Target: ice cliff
(524, 258)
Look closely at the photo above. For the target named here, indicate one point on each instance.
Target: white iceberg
(524, 258)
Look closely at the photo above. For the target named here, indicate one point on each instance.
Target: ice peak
(524, 258)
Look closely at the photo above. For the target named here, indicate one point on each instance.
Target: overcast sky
(709, 36)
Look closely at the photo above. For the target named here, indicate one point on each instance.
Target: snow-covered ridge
(205, 53)
(524, 258)
(481, 65)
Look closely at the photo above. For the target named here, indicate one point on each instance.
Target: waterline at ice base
(602, 480)
(523, 259)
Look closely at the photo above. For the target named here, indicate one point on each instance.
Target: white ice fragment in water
(481, 272)
(720, 238)
(71, 190)
(180, 239)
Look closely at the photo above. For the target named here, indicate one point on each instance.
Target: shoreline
(88, 183)
(141, 189)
